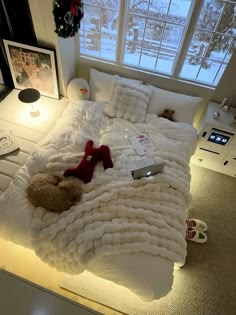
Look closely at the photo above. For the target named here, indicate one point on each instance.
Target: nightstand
(15, 117)
(216, 148)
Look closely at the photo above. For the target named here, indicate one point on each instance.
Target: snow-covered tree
(228, 19)
(221, 43)
(210, 14)
(219, 16)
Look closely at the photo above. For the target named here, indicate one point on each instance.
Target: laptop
(145, 168)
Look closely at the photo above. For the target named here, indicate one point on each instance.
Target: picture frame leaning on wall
(32, 67)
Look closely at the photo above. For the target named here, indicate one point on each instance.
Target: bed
(131, 232)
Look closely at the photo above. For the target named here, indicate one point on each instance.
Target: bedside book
(8, 142)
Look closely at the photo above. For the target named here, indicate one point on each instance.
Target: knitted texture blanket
(116, 214)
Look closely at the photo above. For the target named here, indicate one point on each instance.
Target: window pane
(153, 31)
(108, 47)
(149, 56)
(108, 22)
(135, 27)
(151, 42)
(228, 22)
(178, 11)
(172, 36)
(210, 14)
(96, 2)
(111, 4)
(191, 67)
(159, 9)
(208, 71)
(139, 7)
(218, 47)
(82, 42)
(201, 69)
(91, 44)
(199, 43)
(165, 63)
(132, 53)
(91, 20)
(98, 33)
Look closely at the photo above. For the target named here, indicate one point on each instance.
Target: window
(99, 29)
(188, 39)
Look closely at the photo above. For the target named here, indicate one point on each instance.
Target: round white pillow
(78, 89)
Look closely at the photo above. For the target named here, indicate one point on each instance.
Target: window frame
(214, 33)
(189, 29)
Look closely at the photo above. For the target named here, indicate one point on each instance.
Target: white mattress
(14, 116)
(148, 276)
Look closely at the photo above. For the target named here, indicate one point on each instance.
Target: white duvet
(117, 215)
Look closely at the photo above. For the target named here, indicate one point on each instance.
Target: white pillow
(128, 101)
(78, 89)
(185, 106)
(101, 85)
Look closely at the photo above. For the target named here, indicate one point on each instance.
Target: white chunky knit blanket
(116, 215)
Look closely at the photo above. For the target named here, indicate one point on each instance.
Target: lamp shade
(29, 95)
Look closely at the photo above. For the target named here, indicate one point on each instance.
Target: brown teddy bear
(168, 114)
(53, 193)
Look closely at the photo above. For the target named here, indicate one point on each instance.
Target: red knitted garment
(92, 155)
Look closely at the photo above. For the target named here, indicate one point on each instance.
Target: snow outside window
(162, 36)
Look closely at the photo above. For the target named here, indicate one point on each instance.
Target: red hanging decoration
(67, 16)
(74, 7)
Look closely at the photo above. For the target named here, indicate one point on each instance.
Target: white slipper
(196, 225)
(196, 236)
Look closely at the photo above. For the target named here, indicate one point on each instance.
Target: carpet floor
(206, 285)
(22, 297)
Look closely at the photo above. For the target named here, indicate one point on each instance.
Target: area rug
(206, 285)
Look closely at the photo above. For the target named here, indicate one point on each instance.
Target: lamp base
(34, 113)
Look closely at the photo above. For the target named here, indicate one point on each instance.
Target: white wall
(66, 49)
(227, 85)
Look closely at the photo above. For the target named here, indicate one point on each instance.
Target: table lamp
(30, 95)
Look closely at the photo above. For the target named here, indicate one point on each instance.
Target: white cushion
(78, 89)
(185, 106)
(101, 85)
(129, 101)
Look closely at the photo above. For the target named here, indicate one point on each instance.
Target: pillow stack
(101, 85)
(128, 101)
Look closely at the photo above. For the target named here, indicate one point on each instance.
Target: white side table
(216, 148)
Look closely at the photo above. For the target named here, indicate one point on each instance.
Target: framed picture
(32, 67)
